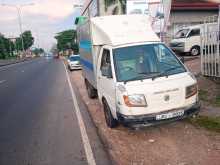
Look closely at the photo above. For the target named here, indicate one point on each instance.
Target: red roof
(194, 5)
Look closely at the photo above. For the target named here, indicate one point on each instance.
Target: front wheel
(195, 51)
(110, 121)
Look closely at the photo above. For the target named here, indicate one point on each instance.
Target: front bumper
(178, 49)
(75, 67)
(150, 120)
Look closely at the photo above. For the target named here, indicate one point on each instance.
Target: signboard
(137, 7)
(160, 14)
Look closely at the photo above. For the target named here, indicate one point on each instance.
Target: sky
(45, 18)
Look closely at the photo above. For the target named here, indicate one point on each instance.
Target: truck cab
(144, 84)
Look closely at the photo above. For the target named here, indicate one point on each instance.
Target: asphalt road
(38, 123)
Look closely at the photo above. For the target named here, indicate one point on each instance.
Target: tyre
(195, 51)
(92, 93)
(109, 119)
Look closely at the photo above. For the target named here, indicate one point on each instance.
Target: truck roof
(122, 29)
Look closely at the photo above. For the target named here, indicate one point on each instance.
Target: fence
(210, 47)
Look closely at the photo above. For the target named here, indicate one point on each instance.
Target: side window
(194, 32)
(106, 61)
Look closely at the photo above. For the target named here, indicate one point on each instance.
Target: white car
(74, 62)
(188, 39)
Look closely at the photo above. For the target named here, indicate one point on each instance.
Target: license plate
(170, 115)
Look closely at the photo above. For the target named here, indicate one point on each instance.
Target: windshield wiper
(165, 73)
(141, 76)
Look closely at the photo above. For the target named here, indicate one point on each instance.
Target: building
(190, 12)
(183, 12)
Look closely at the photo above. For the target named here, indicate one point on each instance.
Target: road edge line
(84, 135)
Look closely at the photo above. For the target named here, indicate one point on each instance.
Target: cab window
(194, 32)
(106, 61)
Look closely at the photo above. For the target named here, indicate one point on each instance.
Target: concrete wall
(180, 19)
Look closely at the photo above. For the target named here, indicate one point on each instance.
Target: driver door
(106, 84)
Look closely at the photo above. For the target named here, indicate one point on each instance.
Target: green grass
(203, 95)
(209, 123)
(217, 101)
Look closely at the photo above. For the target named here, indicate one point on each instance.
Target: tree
(28, 40)
(38, 51)
(66, 40)
(6, 47)
(2, 47)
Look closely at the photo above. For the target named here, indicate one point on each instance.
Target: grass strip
(210, 123)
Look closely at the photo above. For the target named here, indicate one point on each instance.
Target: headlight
(191, 90)
(136, 100)
(180, 44)
(177, 44)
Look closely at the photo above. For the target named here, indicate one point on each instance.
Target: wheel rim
(195, 51)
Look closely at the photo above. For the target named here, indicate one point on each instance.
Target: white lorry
(138, 79)
(188, 39)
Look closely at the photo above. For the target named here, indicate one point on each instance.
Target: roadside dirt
(178, 143)
(208, 89)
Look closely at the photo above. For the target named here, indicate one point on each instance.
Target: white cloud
(44, 18)
(53, 9)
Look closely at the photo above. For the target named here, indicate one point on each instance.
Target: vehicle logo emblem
(166, 97)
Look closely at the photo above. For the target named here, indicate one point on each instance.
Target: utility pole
(19, 8)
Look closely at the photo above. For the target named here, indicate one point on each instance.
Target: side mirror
(107, 71)
(182, 59)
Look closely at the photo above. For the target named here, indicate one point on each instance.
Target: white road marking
(2, 81)
(85, 138)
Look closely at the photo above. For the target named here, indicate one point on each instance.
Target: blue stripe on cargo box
(87, 64)
(86, 45)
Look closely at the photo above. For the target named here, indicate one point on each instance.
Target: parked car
(188, 39)
(138, 79)
(74, 62)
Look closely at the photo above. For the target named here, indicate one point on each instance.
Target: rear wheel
(110, 121)
(195, 51)
(92, 93)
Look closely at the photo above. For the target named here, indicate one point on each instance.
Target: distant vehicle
(48, 56)
(74, 62)
(188, 39)
(56, 56)
(138, 79)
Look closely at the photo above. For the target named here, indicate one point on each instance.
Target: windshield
(145, 61)
(182, 33)
(74, 58)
